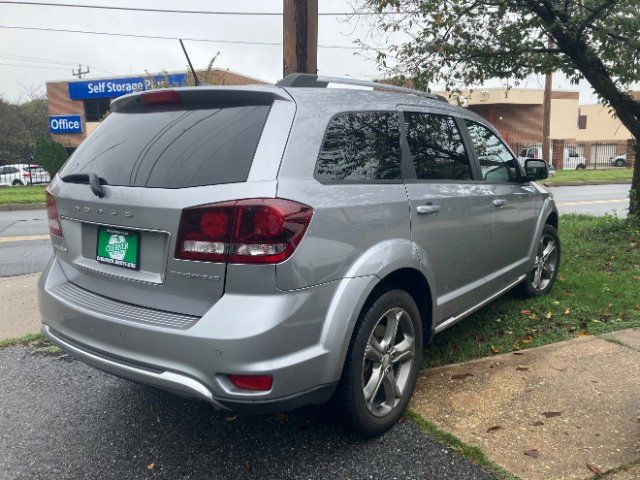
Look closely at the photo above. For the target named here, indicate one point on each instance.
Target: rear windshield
(172, 147)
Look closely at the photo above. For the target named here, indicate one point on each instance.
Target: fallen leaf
(247, 466)
(525, 312)
(549, 316)
(493, 429)
(594, 468)
(151, 466)
(556, 302)
(534, 453)
(522, 368)
(551, 414)
(527, 339)
(281, 417)
(537, 424)
(567, 311)
(495, 350)
(559, 369)
(231, 418)
(402, 420)
(583, 334)
(461, 376)
(518, 353)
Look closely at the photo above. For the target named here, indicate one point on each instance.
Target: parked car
(268, 247)
(618, 160)
(23, 174)
(571, 159)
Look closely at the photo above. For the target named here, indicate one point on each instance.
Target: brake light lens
(161, 97)
(52, 215)
(260, 230)
(252, 382)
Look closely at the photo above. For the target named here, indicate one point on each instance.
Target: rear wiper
(91, 179)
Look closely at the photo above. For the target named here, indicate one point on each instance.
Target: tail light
(261, 230)
(26, 174)
(52, 215)
(161, 97)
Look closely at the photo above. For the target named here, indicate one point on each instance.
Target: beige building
(517, 113)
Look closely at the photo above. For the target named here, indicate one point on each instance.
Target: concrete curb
(591, 182)
(22, 206)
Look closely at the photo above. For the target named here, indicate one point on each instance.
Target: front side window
(436, 147)
(360, 146)
(497, 163)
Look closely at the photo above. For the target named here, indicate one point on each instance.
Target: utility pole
(546, 113)
(300, 36)
(79, 73)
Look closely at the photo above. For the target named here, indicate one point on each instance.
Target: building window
(582, 122)
(95, 109)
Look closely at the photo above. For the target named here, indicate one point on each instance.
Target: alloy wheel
(388, 362)
(545, 264)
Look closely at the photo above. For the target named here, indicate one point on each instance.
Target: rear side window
(436, 147)
(172, 147)
(360, 147)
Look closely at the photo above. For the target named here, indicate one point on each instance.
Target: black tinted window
(360, 146)
(496, 161)
(172, 147)
(436, 147)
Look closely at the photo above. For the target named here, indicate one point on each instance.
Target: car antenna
(195, 76)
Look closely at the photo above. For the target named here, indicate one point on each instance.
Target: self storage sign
(65, 124)
(121, 86)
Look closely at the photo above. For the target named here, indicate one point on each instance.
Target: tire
(619, 163)
(382, 371)
(17, 182)
(532, 286)
(581, 166)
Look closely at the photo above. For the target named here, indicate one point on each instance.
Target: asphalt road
(24, 245)
(24, 242)
(60, 419)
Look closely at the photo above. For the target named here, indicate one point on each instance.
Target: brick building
(76, 107)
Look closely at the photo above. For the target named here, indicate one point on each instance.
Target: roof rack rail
(310, 80)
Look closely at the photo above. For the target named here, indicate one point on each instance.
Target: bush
(49, 155)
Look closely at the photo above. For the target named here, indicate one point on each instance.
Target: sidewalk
(19, 303)
(562, 411)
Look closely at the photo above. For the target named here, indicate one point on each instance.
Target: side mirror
(536, 169)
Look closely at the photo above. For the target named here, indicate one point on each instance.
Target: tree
(466, 42)
(20, 125)
(49, 155)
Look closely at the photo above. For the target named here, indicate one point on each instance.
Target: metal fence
(577, 155)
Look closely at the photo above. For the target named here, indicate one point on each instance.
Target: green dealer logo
(117, 247)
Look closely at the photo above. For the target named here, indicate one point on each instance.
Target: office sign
(117, 87)
(59, 124)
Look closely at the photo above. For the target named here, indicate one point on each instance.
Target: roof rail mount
(309, 80)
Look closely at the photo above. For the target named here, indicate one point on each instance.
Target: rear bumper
(278, 334)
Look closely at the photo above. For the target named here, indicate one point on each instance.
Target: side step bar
(456, 318)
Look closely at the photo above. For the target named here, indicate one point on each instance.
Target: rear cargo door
(152, 161)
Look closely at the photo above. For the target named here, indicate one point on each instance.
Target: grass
(597, 291)
(590, 176)
(24, 340)
(473, 454)
(24, 195)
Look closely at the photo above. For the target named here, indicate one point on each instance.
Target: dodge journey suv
(267, 247)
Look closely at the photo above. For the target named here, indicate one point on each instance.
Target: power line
(21, 58)
(200, 12)
(33, 66)
(159, 37)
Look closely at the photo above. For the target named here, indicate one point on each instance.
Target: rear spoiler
(195, 95)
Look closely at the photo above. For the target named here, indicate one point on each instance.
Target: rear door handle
(499, 202)
(427, 209)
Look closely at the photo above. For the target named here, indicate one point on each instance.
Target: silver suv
(268, 247)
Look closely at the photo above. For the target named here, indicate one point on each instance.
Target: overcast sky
(23, 53)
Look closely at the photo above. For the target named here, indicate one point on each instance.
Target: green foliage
(50, 155)
(20, 125)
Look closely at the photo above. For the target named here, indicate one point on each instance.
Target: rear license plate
(118, 247)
